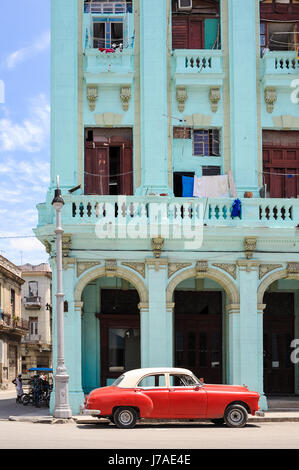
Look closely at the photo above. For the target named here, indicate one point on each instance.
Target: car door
(154, 387)
(186, 401)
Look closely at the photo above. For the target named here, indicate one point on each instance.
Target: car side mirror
(197, 388)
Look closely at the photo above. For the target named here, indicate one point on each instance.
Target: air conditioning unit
(185, 5)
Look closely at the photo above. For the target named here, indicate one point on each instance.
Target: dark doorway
(278, 333)
(198, 333)
(119, 333)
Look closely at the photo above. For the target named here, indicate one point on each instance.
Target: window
(180, 380)
(206, 143)
(13, 301)
(107, 33)
(33, 288)
(182, 133)
(33, 325)
(211, 170)
(150, 381)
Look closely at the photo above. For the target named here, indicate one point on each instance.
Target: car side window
(152, 381)
(180, 380)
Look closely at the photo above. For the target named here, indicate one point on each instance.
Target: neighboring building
(12, 325)
(193, 88)
(36, 309)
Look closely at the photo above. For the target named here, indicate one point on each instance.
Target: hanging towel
(188, 184)
(211, 186)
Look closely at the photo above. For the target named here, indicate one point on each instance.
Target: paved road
(9, 407)
(102, 436)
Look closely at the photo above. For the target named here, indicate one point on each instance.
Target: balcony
(110, 68)
(8, 322)
(124, 211)
(198, 67)
(31, 338)
(107, 8)
(33, 302)
(279, 68)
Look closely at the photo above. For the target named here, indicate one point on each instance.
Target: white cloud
(32, 133)
(40, 44)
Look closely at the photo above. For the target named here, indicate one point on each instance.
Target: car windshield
(118, 380)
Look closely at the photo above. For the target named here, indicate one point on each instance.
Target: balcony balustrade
(280, 213)
(32, 302)
(32, 338)
(10, 322)
(279, 68)
(198, 67)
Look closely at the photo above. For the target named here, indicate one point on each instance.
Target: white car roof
(132, 377)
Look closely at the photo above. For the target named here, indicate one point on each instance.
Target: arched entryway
(280, 328)
(198, 322)
(110, 325)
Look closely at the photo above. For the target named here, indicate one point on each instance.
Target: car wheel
(125, 418)
(218, 421)
(236, 416)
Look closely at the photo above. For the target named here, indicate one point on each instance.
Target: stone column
(233, 336)
(157, 318)
(251, 329)
(243, 94)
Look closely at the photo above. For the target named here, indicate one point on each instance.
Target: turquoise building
(148, 98)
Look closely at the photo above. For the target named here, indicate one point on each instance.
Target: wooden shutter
(126, 170)
(96, 168)
(180, 32)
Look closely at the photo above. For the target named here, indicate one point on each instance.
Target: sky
(24, 125)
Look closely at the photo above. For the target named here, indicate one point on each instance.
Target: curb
(96, 421)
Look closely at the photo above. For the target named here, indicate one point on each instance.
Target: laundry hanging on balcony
(188, 185)
(211, 186)
(236, 208)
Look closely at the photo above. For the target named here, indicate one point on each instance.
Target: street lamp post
(62, 408)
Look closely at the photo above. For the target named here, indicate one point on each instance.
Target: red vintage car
(170, 393)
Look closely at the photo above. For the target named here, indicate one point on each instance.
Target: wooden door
(278, 334)
(96, 168)
(187, 32)
(120, 333)
(196, 37)
(126, 170)
(281, 163)
(198, 333)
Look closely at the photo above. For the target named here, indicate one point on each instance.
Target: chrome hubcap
(126, 417)
(236, 416)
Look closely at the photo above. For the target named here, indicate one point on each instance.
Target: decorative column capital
(157, 263)
(125, 96)
(110, 267)
(233, 309)
(270, 98)
(248, 265)
(292, 269)
(92, 96)
(181, 97)
(143, 307)
(157, 246)
(170, 306)
(201, 267)
(261, 308)
(249, 246)
(214, 96)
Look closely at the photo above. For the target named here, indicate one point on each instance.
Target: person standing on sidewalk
(19, 387)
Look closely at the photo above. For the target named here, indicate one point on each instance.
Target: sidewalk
(270, 417)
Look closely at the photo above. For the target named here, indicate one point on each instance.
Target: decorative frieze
(157, 246)
(136, 266)
(292, 268)
(66, 262)
(125, 96)
(181, 97)
(229, 268)
(249, 246)
(267, 268)
(92, 96)
(214, 96)
(270, 98)
(83, 266)
(175, 267)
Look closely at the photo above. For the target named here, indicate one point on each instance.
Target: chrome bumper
(259, 413)
(85, 412)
